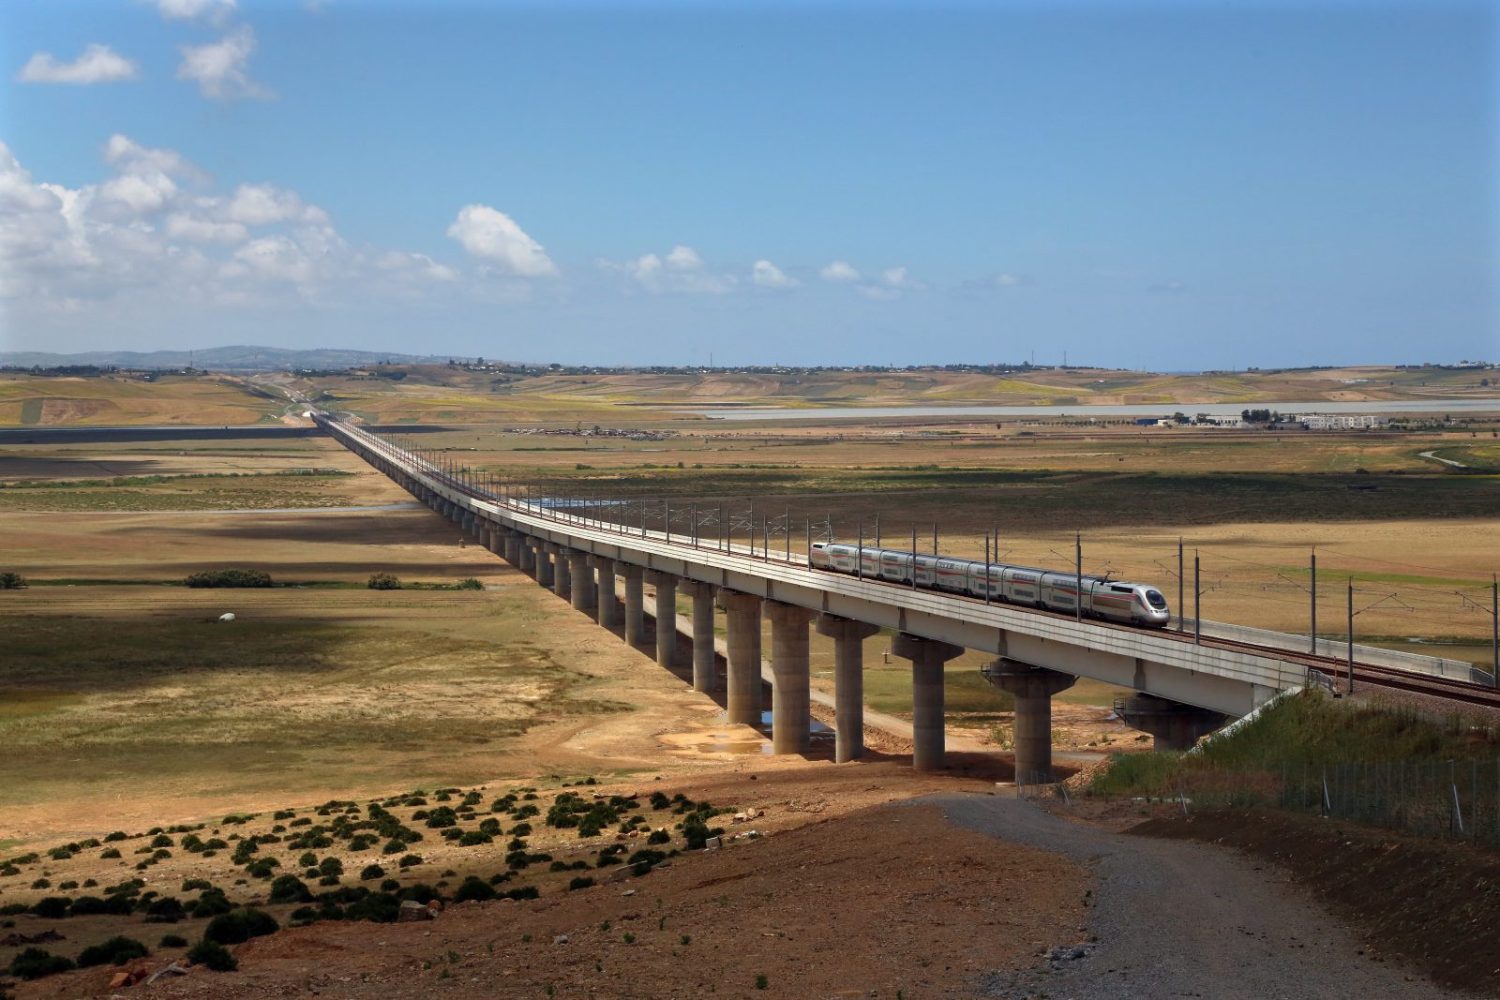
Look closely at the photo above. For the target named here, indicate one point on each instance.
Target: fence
(1457, 799)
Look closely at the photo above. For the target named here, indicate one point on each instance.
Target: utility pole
(913, 557)
(877, 530)
(1078, 573)
(1197, 602)
(859, 554)
(1351, 635)
(1494, 630)
(1313, 637)
(986, 568)
(1181, 584)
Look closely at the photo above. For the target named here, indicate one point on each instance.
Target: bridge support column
(1033, 688)
(511, 540)
(526, 554)
(927, 658)
(705, 676)
(562, 580)
(790, 698)
(635, 604)
(582, 575)
(1174, 725)
(609, 608)
(666, 616)
(848, 683)
(743, 611)
(544, 574)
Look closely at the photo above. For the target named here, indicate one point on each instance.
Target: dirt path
(1174, 919)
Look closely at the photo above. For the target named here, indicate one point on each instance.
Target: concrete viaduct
(1182, 690)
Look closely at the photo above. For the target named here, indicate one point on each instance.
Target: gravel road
(1176, 919)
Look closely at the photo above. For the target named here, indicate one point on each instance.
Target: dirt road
(1174, 919)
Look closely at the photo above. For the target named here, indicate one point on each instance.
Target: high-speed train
(1130, 603)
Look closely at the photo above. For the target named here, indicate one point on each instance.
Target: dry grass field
(458, 395)
(210, 400)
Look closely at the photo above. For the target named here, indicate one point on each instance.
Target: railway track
(1334, 668)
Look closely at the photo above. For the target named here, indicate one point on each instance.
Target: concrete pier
(705, 675)
(1033, 688)
(848, 683)
(562, 579)
(512, 542)
(743, 693)
(790, 698)
(635, 604)
(527, 553)
(581, 573)
(666, 616)
(543, 551)
(1173, 725)
(927, 658)
(608, 606)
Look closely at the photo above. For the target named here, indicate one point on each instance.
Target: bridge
(1183, 688)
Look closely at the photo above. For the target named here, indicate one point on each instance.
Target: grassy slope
(190, 400)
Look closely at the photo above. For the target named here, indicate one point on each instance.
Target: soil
(1430, 903)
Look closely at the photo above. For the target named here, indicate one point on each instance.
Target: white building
(1341, 421)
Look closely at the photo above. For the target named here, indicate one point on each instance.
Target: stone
(171, 970)
(713, 843)
(560, 939)
(227, 616)
(412, 910)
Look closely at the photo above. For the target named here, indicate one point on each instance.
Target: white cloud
(139, 194)
(681, 270)
(897, 277)
(97, 64)
(768, 275)
(417, 265)
(878, 292)
(221, 69)
(1007, 280)
(262, 204)
(186, 10)
(183, 226)
(149, 229)
(681, 258)
(494, 237)
(839, 271)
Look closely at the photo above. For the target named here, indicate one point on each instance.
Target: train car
(1113, 600)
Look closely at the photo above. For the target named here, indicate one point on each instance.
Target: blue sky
(1172, 185)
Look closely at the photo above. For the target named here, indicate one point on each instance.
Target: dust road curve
(1178, 919)
(404, 505)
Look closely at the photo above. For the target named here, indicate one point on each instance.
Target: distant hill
(222, 359)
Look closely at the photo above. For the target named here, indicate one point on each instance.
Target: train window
(1154, 598)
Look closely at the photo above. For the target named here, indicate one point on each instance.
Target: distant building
(1341, 421)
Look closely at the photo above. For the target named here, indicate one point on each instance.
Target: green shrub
(34, 963)
(12, 581)
(211, 904)
(469, 583)
(383, 581)
(116, 951)
(229, 578)
(371, 872)
(52, 907)
(165, 910)
(240, 925)
(581, 882)
(473, 887)
(213, 956)
(410, 860)
(289, 889)
(88, 906)
(172, 941)
(659, 837)
(109, 854)
(378, 907)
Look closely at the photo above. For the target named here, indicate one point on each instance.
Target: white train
(1131, 603)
